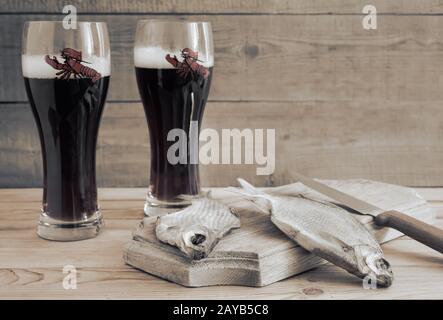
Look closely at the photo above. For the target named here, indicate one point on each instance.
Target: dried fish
(196, 229)
(327, 231)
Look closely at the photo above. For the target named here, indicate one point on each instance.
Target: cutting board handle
(416, 229)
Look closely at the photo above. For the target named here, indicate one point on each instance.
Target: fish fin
(259, 201)
(239, 191)
(246, 194)
(258, 198)
(372, 263)
(260, 207)
(249, 187)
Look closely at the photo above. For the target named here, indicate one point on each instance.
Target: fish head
(194, 240)
(196, 229)
(382, 271)
(375, 266)
(197, 241)
(363, 259)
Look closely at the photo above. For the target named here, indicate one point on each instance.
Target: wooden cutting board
(258, 253)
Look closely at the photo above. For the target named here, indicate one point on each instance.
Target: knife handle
(416, 229)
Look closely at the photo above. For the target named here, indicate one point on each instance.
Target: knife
(416, 229)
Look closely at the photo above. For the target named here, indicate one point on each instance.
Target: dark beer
(171, 101)
(67, 114)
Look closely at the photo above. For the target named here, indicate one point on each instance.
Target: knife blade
(414, 228)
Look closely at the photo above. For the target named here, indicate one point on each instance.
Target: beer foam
(154, 58)
(35, 66)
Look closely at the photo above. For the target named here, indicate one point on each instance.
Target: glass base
(155, 207)
(57, 230)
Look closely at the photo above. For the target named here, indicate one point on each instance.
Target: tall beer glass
(173, 66)
(66, 73)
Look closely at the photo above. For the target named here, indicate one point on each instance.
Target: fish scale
(315, 217)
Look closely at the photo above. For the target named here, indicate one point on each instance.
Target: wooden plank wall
(345, 102)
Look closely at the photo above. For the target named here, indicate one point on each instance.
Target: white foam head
(35, 66)
(154, 58)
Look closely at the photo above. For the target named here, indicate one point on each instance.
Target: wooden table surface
(32, 268)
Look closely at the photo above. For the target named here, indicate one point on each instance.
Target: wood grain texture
(346, 102)
(321, 139)
(30, 269)
(327, 58)
(224, 6)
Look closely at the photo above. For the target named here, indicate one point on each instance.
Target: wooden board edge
(150, 258)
